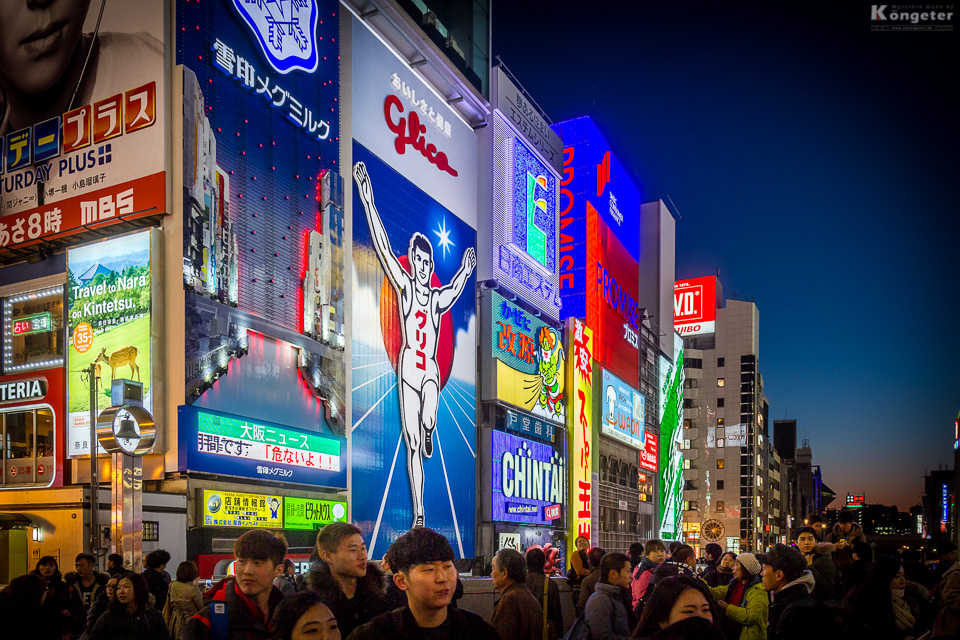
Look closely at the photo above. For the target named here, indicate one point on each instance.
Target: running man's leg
(410, 418)
(430, 395)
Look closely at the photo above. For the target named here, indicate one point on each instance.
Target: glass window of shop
(28, 446)
(33, 330)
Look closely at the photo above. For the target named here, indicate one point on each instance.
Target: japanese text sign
(247, 510)
(624, 410)
(529, 480)
(581, 430)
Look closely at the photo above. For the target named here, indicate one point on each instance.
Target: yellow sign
(581, 430)
(248, 510)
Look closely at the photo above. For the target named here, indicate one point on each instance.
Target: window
(686, 463)
(719, 463)
(719, 402)
(33, 326)
(688, 403)
(719, 362)
(26, 447)
(719, 507)
(719, 485)
(720, 382)
(686, 443)
(720, 422)
(603, 468)
(693, 363)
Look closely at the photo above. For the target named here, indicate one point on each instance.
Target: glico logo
(284, 29)
(410, 132)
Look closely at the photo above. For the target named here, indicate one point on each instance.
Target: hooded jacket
(606, 613)
(245, 620)
(793, 612)
(367, 602)
(752, 613)
(853, 537)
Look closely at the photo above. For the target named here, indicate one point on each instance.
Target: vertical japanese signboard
(671, 455)
(108, 310)
(72, 142)
(581, 430)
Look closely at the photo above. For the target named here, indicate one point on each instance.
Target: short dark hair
(287, 563)
(594, 556)
(662, 599)
(789, 560)
(25, 592)
(419, 546)
(713, 550)
(48, 560)
(815, 519)
(652, 545)
(158, 558)
(86, 556)
(260, 544)
(804, 529)
(683, 553)
(419, 241)
(116, 559)
(285, 616)
(673, 546)
(729, 553)
(187, 571)
(636, 549)
(846, 516)
(536, 560)
(612, 561)
(865, 551)
(330, 537)
(512, 563)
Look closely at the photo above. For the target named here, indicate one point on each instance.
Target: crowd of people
(826, 586)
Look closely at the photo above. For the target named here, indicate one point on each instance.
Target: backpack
(579, 630)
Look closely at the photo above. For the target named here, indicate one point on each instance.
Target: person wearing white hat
(744, 602)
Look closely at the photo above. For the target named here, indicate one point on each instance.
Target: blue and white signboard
(525, 424)
(230, 445)
(529, 480)
(624, 410)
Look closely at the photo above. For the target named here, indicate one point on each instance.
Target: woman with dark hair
(129, 615)
(185, 598)
(878, 606)
(744, 602)
(303, 616)
(57, 603)
(674, 600)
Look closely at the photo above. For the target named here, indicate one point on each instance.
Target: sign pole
(94, 484)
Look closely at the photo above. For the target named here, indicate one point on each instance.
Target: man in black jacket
(711, 575)
(157, 582)
(793, 613)
(820, 564)
(422, 561)
(344, 580)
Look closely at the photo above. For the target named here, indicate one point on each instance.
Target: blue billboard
(230, 445)
(624, 410)
(529, 480)
(414, 361)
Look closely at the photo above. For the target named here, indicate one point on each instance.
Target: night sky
(815, 164)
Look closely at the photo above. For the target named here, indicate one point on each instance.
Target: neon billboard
(581, 431)
(694, 306)
(671, 456)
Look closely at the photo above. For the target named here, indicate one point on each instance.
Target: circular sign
(83, 337)
(338, 512)
(214, 503)
(712, 530)
(13, 471)
(107, 430)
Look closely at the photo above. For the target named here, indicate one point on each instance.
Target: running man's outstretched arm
(395, 271)
(450, 293)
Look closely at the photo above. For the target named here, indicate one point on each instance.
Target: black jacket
(793, 613)
(712, 575)
(400, 624)
(146, 625)
(368, 601)
(99, 582)
(158, 586)
(244, 618)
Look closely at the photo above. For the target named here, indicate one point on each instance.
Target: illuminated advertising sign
(694, 306)
(528, 359)
(414, 354)
(944, 505)
(525, 424)
(244, 510)
(72, 141)
(262, 198)
(855, 501)
(311, 515)
(671, 455)
(624, 411)
(525, 118)
(593, 184)
(526, 220)
(645, 486)
(108, 310)
(28, 401)
(736, 435)
(220, 443)
(581, 431)
(649, 452)
(529, 480)
(37, 323)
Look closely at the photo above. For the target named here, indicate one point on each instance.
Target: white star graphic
(444, 235)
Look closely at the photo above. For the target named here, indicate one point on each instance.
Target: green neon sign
(309, 514)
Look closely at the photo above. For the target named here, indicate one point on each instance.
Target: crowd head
(674, 600)
(303, 616)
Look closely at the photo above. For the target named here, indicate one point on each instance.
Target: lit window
(719, 463)
(686, 463)
(720, 382)
(719, 506)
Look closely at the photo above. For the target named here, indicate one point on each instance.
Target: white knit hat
(750, 563)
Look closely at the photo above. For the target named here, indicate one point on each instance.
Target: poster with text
(414, 361)
(83, 97)
(108, 307)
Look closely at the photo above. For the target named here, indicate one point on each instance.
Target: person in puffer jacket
(793, 613)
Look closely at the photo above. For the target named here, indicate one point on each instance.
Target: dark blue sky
(815, 164)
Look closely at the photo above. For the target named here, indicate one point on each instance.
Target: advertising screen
(671, 456)
(694, 306)
(310, 515)
(650, 452)
(592, 179)
(262, 195)
(414, 354)
(529, 480)
(581, 431)
(108, 311)
(623, 411)
(528, 360)
(526, 220)
(244, 510)
(855, 501)
(221, 443)
(75, 125)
